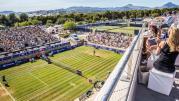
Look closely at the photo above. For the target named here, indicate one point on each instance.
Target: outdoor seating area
(159, 81)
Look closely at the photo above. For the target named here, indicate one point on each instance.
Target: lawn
(40, 81)
(127, 30)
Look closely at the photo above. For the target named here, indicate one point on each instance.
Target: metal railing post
(129, 65)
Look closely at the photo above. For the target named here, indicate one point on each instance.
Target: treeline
(23, 19)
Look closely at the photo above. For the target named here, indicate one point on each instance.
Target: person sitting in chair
(168, 51)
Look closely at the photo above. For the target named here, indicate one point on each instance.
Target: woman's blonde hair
(173, 40)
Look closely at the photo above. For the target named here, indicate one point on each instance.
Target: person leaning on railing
(168, 51)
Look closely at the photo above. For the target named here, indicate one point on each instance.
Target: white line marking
(13, 99)
(38, 79)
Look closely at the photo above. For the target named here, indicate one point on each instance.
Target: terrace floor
(145, 94)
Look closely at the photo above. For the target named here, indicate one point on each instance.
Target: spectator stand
(117, 50)
(21, 56)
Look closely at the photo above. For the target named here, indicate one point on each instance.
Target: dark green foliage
(23, 19)
(69, 25)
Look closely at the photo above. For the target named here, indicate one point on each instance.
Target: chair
(177, 61)
(160, 81)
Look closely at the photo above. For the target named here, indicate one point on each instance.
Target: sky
(33, 5)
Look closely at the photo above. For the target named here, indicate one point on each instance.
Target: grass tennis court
(40, 81)
(128, 30)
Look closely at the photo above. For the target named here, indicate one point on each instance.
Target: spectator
(118, 40)
(19, 38)
(151, 38)
(168, 51)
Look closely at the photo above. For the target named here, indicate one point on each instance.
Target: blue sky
(32, 5)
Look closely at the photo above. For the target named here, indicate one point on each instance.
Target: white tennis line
(24, 70)
(13, 99)
(44, 91)
(38, 79)
(53, 86)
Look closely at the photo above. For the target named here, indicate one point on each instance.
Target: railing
(123, 74)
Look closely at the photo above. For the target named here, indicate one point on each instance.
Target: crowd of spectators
(118, 40)
(161, 44)
(12, 39)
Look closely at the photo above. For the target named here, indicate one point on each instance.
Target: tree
(16, 24)
(155, 14)
(108, 15)
(69, 25)
(49, 23)
(3, 20)
(2, 27)
(80, 18)
(25, 23)
(127, 14)
(35, 22)
(23, 17)
(60, 20)
(12, 19)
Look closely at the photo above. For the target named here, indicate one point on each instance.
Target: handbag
(151, 60)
